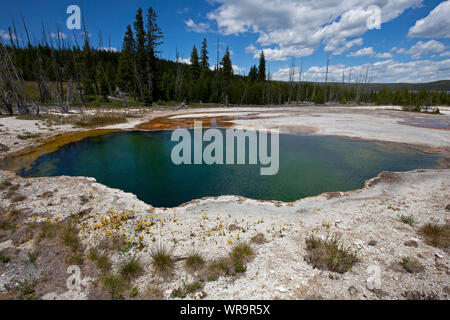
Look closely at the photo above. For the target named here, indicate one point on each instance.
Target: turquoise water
(140, 163)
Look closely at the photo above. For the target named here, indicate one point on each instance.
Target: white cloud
(110, 49)
(298, 27)
(384, 55)
(421, 48)
(382, 71)
(4, 35)
(362, 52)
(197, 27)
(445, 54)
(59, 35)
(369, 52)
(339, 46)
(184, 60)
(238, 70)
(435, 25)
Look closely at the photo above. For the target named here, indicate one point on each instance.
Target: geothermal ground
(48, 224)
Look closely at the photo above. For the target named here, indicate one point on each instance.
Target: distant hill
(442, 85)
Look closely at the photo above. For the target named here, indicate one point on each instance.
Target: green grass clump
(410, 220)
(162, 260)
(436, 235)
(330, 254)
(101, 259)
(194, 262)
(131, 269)
(114, 284)
(186, 289)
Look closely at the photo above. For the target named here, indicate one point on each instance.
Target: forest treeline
(75, 74)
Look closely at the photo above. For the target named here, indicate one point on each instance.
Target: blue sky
(412, 45)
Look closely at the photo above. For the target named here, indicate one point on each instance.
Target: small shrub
(259, 239)
(162, 260)
(101, 259)
(131, 269)
(330, 254)
(239, 267)
(436, 235)
(194, 262)
(410, 220)
(70, 237)
(6, 183)
(135, 292)
(219, 267)
(242, 252)
(412, 265)
(3, 259)
(115, 285)
(29, 135)
(186, 289)
(74, 259)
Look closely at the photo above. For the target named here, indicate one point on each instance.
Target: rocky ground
(392, 236)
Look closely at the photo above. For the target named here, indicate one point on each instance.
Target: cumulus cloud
(435, 25)
(369, 52)
(362, 52)
(59, 35)
(422, 48)
(382, 71)
(5, 35)
(110, 49)
(238, 70)
(298, 27)
(197, 27)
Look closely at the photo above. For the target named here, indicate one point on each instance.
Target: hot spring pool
(140, 163)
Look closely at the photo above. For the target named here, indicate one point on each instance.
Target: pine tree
(141, 57)
(103, 85)
(124, 79)
(195, 64)
(154, 36)
(204, 55)
(262, 67)
(227, 66)
(253, 73)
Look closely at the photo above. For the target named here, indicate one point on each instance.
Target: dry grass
(131, 269)
(100, 121)
(3, 148)
(437, 235)
(162, 259)
(330, 254)
(100, 259)
(412, 265)
(194, 262)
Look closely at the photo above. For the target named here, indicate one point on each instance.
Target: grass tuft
(436, 235)
(131, 269)
(194, 262)
(330, 254)
(162, 260)
(410, 220)
(101, 259)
